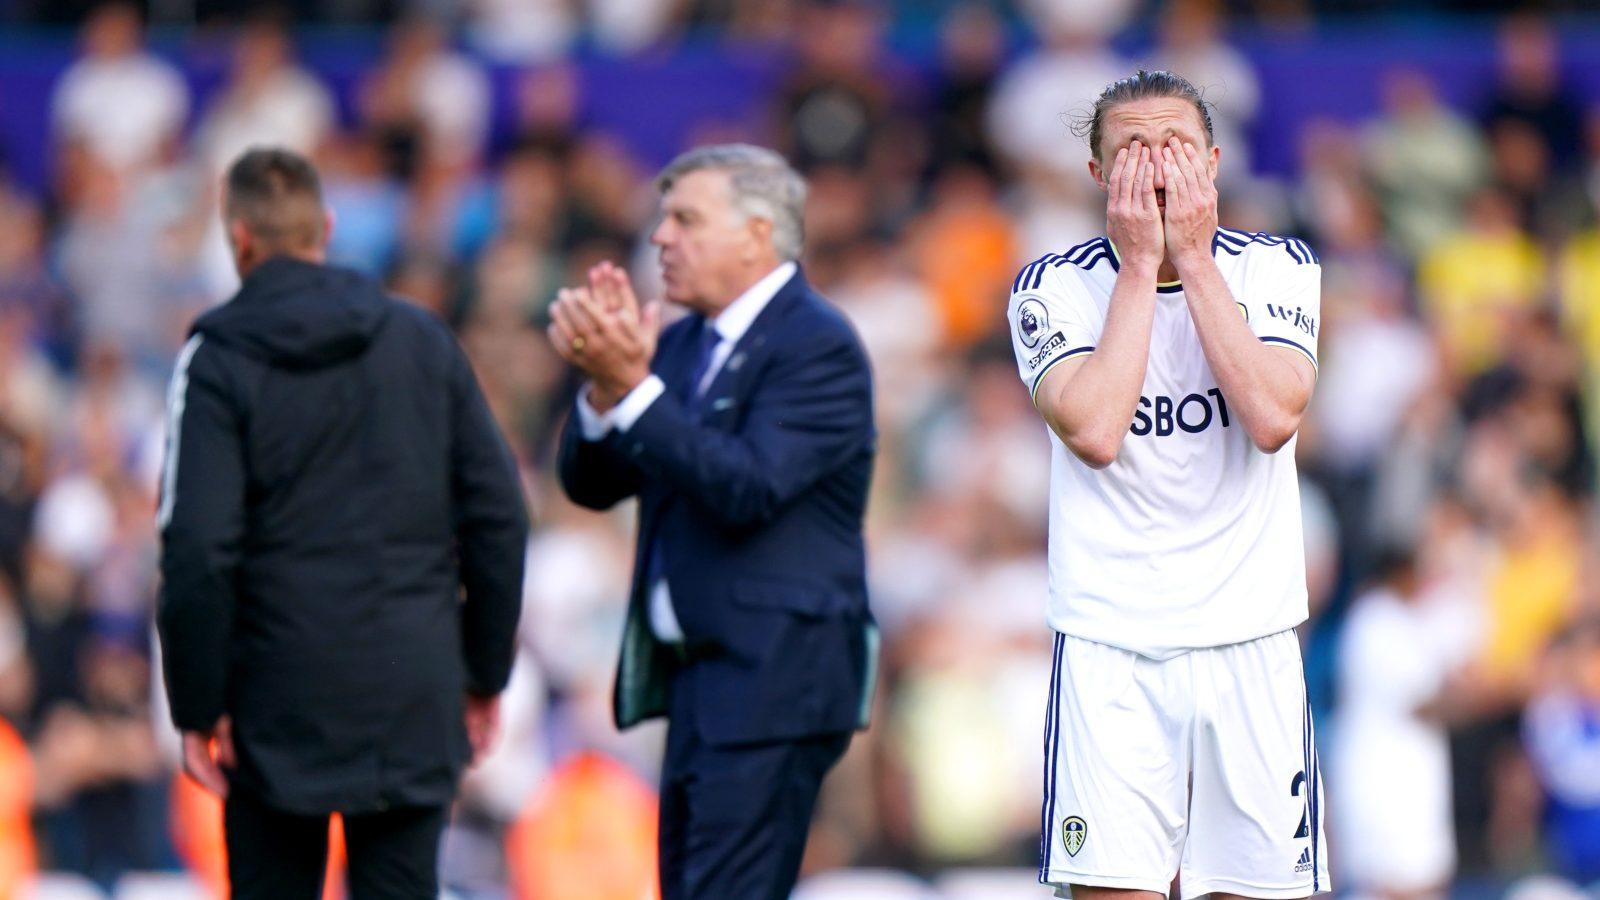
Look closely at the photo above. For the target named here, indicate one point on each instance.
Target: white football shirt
(1192, 537)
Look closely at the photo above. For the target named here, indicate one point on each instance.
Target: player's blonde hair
(1142, 85)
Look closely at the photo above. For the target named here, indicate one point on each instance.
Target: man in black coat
(343, 536)
(747, 435)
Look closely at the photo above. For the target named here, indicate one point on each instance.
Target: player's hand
(483, 724)
(1133, 221)
(612, 292)
(207, 753)
(1191, 203)
(606, 335)
(611, 289)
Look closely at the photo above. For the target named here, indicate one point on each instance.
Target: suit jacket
(757, 500)
(343, 538)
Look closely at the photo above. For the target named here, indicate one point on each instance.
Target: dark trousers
(393, 855)
(734, 820)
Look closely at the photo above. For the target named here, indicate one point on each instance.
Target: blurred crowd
(1447, 460)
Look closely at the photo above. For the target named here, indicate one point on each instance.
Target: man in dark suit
(343, 537)
(747, 435)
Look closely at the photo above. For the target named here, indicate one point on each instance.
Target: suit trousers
(734, 819)
(393, 854)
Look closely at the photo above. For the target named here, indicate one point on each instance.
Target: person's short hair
(1142, 85)
(765, 186)
(277, 195)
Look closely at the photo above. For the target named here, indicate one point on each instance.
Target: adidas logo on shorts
(1304, 865)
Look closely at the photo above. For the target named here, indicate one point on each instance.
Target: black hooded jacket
(343, 537)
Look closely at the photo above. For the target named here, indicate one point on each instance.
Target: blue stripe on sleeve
(1272, 339)
(1033, 391)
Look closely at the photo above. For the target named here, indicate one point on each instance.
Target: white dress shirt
(731, 325)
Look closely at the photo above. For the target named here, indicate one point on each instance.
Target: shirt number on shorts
(1294, 791)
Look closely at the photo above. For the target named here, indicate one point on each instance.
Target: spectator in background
(429, 103)
(589, 833)
(547, 107)
(1329, 196)
(964, 249)
(740, 20)
(893, 311)
(368, 204)
(531, 198)
(1591, 160)
(630, 26)
(36, 325)
(1547, 202)
(521, 32)
(1528, 558)
(1379, 367)
(834, 102)
(132, 216)
(129, 252)
(100, 777)
(840, 212)
(118, 103)
(89, 570)
(1530, 90)
(959, 724)
(1562, 732)
(1028, 111)
(1475, 281)
(605, 204)
(1424, 160)
(972, 47)
(267, 100)
(18, 852)
(1578, 275)
(1535, 391)
(1191, 44)
(1391, 759)
(1532, 585)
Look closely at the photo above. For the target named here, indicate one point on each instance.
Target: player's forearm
(1091, 411)
(1263, 389)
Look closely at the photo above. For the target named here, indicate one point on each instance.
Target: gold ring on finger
(578, 344)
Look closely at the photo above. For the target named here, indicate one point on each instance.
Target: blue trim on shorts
(1052, 736)
(1308, 741)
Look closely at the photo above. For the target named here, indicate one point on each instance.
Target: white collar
(737, 317)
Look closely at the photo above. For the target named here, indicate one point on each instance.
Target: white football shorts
(1201, 767)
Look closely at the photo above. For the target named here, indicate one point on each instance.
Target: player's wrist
(1140, 269)
(1190, 259)
(601, 399)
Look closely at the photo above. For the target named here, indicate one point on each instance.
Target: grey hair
(764, 187)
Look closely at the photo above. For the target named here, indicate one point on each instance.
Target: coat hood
(295, 314)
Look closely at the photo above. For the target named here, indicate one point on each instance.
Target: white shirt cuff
(627, 412)
(594, 425)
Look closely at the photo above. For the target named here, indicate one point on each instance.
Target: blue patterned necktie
(706, 341)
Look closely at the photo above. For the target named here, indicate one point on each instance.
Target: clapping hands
(605, 331)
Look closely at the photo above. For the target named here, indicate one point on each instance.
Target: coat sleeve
(811, 413)
(201, 518)
(491, 535)
(594, 474)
